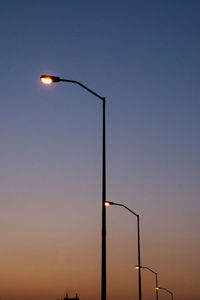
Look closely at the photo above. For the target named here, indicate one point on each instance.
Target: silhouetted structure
(67, 297)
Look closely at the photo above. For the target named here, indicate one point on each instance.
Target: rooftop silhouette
(69, 298)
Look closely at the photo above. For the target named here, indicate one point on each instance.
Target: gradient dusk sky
(144, 57)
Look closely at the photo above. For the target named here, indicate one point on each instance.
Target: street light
(161, 288)
(48, 79)
(107, 203)
(156, 275)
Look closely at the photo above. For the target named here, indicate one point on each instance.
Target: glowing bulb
(46, 80)
(137, 267)
(106, 203)
(157, 288)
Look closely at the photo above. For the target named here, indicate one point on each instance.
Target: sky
(143, 56)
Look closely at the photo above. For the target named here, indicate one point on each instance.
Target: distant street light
(48, 79)
(107, 203)
(156, 275)
(161, 288)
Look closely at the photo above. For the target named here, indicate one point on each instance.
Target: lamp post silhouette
(48, 79)
(161, 288)
(107, 203)
(156, 275)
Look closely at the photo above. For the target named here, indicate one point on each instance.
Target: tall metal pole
(138, 238)
(103, 270)
(103, 258)
(156, 274)
(139, 270)
(156, 286)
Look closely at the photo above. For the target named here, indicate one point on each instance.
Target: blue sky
(143, 56)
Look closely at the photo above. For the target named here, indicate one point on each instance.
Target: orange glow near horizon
(46, 80)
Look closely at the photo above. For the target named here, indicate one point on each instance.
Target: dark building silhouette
(67, 298)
